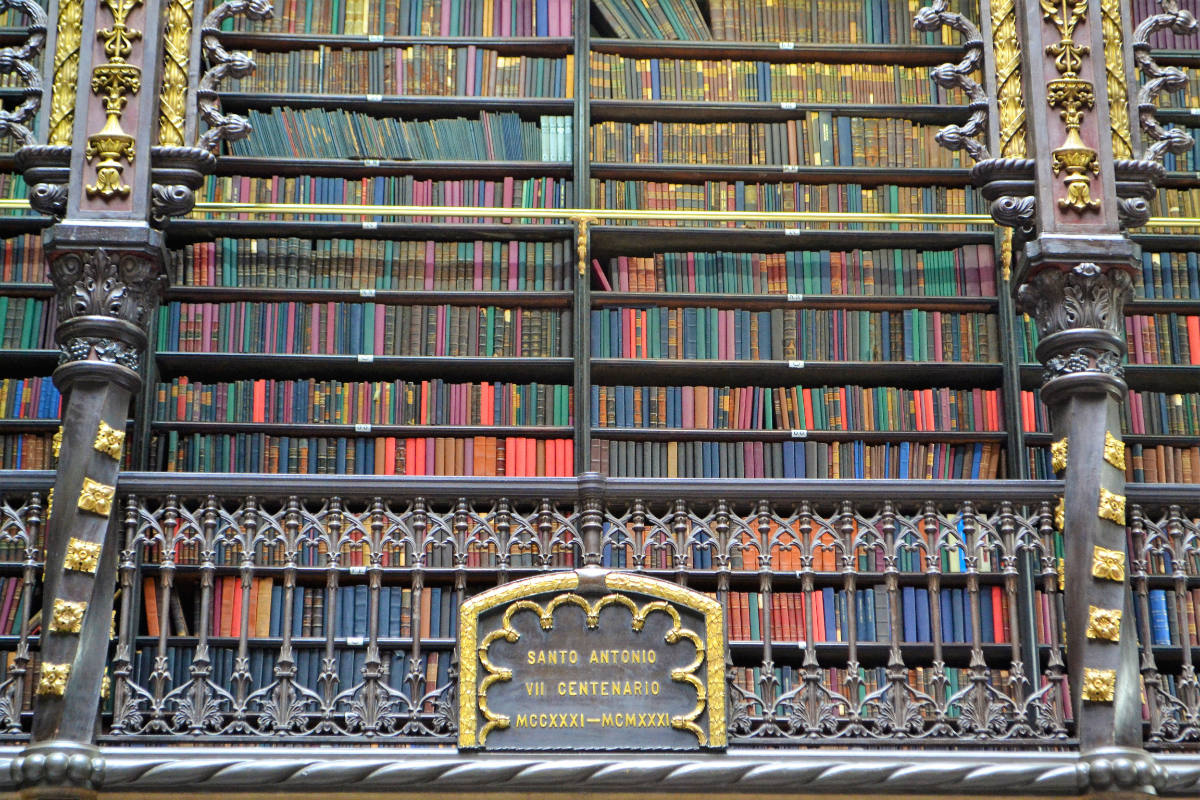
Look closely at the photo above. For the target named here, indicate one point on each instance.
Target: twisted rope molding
(426, 770)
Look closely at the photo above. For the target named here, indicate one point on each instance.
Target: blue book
(987, 631)
(385, 611)
(435, 610)
(957, 608)
(1193, 273)
(298, 611)
(947, 616)
(1160, 627)
(868, 601)
(908, 607)
(361, 610)
(829, 602)
(275, 628)
(922, 603)
(449, 608)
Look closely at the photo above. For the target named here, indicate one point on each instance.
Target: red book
(235, 618)
(998, 616)
(1193, 342)
(600, 275)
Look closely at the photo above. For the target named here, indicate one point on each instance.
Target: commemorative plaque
(591, 659)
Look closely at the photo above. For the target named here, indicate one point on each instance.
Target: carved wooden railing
(188, 541)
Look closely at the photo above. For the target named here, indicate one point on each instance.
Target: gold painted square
(1058, 454)
(1114, 451)
(109, 440)
(1099, 685)
(96, 497)
(67, 617)
(1104, 623)
(56, 442)
(1112, 507)
(54, 679)
(1060, 513)
(1108, 565)
(82, 556)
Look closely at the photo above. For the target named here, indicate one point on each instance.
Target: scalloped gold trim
(1108, 565)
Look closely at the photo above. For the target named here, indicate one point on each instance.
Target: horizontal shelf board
(1181, 58)
(1170, 378)
(906, 54)
(302, 642)
(13, 223)
(739, 435)
(210, 294)
(28, 426)
(612, 240)
(230, 366)
(509, 45)
(27, 289)
(1161, 305)
(1176, 440)
(394, 105)
(289, 165)
(652, 371)
(28, 363)
(400, 431)
(1179, 116)
(713, 111)
(602, 299)
(862, 175)
(1165, 242)
(183, 231)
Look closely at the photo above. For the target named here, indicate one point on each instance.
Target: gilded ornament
(1114, 71)
(56, 441)
(96, 497)
(1099, 685)
(1104, 623)
(54, 680)
(66, 71)
(1060, 513)
(1114, 451)
(113, 82)
(67, 617)
(1112, 507)
(49, 503)
(172, 99)
(581, 241)
(1058, 454)
(109, 440)
(1060, 567)
(1108, 565)
(105, 687)
(1073, 97)
(82, 556)
(1009, 101)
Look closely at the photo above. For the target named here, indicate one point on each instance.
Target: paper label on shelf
(800, 434)
(362, 427)
(787, 45)
(795, 298)
(356, 641)
(366, 292)
(794, 364)
(358, 570)
(370, 224)
(788, 105)
(374, 98)
(791, 231)
(365, 358)
(375, 37)
(370, 162)
(790, 168)
(1194, 111)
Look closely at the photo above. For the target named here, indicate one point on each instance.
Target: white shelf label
(370, 162)
(374, 98)
(356, 641)
(366, 292)
(358, 570)
(790, 169)
(362, 427)
(365, 358)
(1194, 111)
(375, 37)
(794, 364)
(795, 298)
(370, 224)
(787, 45)
(800, 434)
(791, 231)
(788, 106)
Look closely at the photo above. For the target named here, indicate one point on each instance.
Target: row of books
(417, 70)
(1144, 463)
(801, 459)
(968, 271)
(26, 451)
(336, 133)
(363, 328)
(503, 18)
(819, 139)
(332, 402)
(1142, 413)
(29, 398)
(1171, 275)
(13, 610)
(295, 263)
(392, 190)
(22, 260)
(619, 77)
(1169, 624)
(822, 408)
(1173, 202)
(28, 323)
(346, 667)
(1152, 338)
(655, 19)
(262, 614)
(789, 334)
(841, 21)
(748, 196)
(327, 455)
